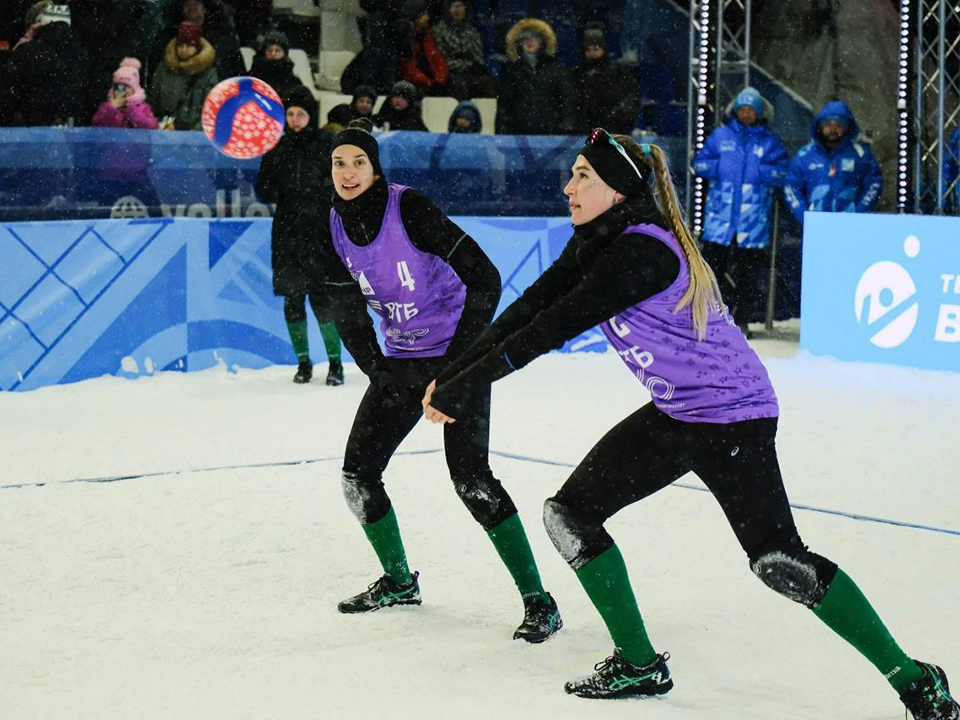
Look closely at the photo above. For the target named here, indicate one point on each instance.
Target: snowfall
(175, 547)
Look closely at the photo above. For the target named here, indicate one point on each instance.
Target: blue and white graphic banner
(80, 299)
(882, 288)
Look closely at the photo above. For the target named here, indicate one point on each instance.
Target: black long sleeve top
(601, 272)
(431, 231)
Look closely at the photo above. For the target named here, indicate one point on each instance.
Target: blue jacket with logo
(745, 164)
(846, 179)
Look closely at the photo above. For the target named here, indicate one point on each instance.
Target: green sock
(849, 614)
(384, 535)
(512, 545)
(608, 586)
(298, 336)
(331, 341)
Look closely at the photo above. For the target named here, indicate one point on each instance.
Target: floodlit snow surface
(206, 585)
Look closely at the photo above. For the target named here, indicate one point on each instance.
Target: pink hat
(129, 74)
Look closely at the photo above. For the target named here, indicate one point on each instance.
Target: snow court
(213, 593)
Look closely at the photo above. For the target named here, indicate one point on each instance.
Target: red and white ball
(243, 117)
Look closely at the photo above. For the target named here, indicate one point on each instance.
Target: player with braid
(633, 268)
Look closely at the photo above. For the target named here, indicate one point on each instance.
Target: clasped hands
(430, 412)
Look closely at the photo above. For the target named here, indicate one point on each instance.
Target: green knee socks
(849, 614)
(510, 540)
(331, 341)
(607, 584)
(298, 336)
(384, 536)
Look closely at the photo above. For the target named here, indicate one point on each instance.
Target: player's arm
(634, 268)
(349, 306)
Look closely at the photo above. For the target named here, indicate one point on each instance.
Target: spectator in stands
(364, 98)
(30, 23)
(465, 118)
(216, 27)
(462, 47)
(340, 115)
(296, 175)
(606, 93)
(183, 80)
(951, 156)
(44, 80)
(272, 65)
(423, 63)
(126, 104)
(250, 17)
(108, 30)
(401, 110)
(745, 162)
(536, 93)
(833, 172)
(376, 63)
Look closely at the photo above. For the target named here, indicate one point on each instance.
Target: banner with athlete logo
(882, 288)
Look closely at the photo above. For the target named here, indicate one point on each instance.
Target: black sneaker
(383, 593)
(929, 697)
(615, 678)
(541, 619)
(304, 372)
(335, 373)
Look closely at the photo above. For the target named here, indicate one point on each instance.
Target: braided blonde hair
(703, 293)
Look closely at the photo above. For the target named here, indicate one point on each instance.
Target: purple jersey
(417, 295)
(719, 379)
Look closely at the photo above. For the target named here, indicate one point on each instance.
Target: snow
(208, 588)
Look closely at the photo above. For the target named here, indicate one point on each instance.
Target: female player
(388, 247)
(632, 265)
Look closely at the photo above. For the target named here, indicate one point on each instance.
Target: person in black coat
(272, 64)
(605, 93)
(401, 110)
(44, 82)
(536, 94)
(296, 176)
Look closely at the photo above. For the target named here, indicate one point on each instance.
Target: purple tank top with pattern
(719, 379)
(417, 295)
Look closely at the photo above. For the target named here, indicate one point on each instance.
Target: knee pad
(576, 539)
(796, 573)
(365, 497)
(485, 498)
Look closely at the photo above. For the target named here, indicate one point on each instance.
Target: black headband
(363, 140)
(613, 164)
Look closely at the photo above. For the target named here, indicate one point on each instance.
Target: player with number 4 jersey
(390, 249)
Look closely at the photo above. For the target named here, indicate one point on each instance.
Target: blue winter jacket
(845, 180)
(745, 164)
(951, 166)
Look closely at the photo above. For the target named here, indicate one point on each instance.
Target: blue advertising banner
(58, 174)
(882, 288)
(80, 299)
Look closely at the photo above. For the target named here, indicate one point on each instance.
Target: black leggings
(295, 311)
(737, 462)
(386, 415)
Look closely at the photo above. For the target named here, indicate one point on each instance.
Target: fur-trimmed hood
(199, 63)
(530, 25)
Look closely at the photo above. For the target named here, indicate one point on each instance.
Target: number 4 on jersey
(406, 279)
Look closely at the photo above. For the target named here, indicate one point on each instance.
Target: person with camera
(126, 104)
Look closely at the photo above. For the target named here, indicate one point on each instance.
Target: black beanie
(358, 134)
(594, 34)
(621, 173)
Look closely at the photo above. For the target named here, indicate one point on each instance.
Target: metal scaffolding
(930, 43)
(719, 68)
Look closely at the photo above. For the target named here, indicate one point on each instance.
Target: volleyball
(243, 117)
